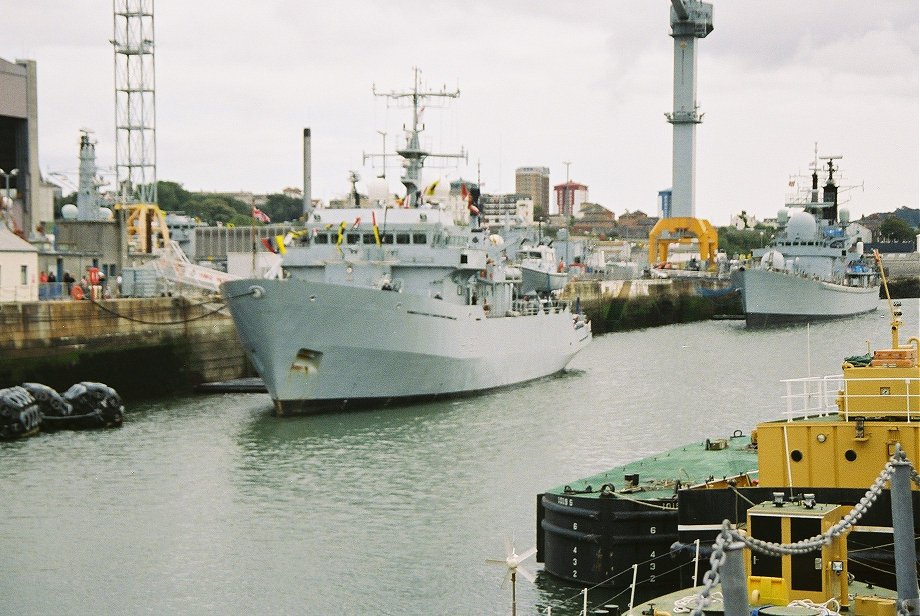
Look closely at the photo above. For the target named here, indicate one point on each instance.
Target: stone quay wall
(142, 346)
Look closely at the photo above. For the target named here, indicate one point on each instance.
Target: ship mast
(413, 153)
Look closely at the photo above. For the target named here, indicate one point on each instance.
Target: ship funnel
(307, 174)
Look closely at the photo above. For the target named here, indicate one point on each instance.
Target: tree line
(213, 208)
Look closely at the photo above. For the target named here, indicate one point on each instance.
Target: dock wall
(143, 347)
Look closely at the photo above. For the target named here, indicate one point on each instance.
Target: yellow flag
(338, 242)
(376, 231)
(279, 240)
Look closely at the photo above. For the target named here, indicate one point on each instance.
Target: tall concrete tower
(135, 101)
(690, 20)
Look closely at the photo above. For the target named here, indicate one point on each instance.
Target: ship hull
(320, 347)
(773, 297)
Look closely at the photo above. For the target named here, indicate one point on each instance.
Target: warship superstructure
(813, 269)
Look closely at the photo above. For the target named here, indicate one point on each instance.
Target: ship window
(402, 238)
(369, 238)
(850, 455)
(419, 238)
(353, 238)
(463, 258)
(322, 238)
(386, 238)
(796, 455)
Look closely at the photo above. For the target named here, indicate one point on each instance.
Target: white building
(18, 268)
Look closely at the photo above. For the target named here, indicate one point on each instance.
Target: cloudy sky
(541, 83)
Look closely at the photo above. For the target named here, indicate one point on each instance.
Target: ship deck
(692, 465)
(686, 599)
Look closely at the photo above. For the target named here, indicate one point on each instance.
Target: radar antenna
(412, 151)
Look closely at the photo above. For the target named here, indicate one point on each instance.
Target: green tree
(896, 230)
(281, 208)
(742, 241)
(172, 197)
(211, 209)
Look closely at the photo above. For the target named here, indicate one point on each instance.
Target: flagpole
(253, 237)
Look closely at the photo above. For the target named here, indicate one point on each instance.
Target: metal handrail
(818, 396)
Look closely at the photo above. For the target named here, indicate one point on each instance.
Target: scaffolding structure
(135, 101)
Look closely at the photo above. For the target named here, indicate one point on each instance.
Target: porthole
(850, 455)
(796, 455)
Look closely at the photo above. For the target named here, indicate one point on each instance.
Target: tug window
(321, 238)
(419, 238)
(402, 238)
(353, 238)
(386, 238)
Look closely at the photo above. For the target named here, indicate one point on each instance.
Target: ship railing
(829, 395)
(531, 307)
(895, 398)
(813, 396)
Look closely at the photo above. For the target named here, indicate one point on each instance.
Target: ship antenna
(895, 321)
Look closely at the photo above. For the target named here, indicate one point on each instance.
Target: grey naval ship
(376, 305)
(813, 269)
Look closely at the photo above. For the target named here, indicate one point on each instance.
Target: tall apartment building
(534, 182)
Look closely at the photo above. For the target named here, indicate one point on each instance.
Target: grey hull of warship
(323, 346)
(780, 297)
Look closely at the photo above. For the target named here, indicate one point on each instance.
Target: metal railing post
(902, 521)
(734, 581)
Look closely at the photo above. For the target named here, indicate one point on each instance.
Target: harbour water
(208, 504)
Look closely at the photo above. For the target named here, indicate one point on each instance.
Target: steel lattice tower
(135, 101)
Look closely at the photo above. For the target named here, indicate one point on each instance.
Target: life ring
(76, 292)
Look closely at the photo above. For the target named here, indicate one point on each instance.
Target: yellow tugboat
(838, 432)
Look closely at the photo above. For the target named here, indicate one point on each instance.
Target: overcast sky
(541, 83)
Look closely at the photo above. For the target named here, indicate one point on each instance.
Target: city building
(635, 225)
(596, 221)
(569, 198)
(18, 268)
(514, 209)
(664, 203)
(32, 200)
(534, 182)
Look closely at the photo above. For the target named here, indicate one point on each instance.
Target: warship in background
(812, 269)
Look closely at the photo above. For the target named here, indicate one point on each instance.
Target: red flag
(268, 244)
(260, 215)
(356, 223)
(463, 191)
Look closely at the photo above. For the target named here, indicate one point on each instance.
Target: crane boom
(681, 9)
